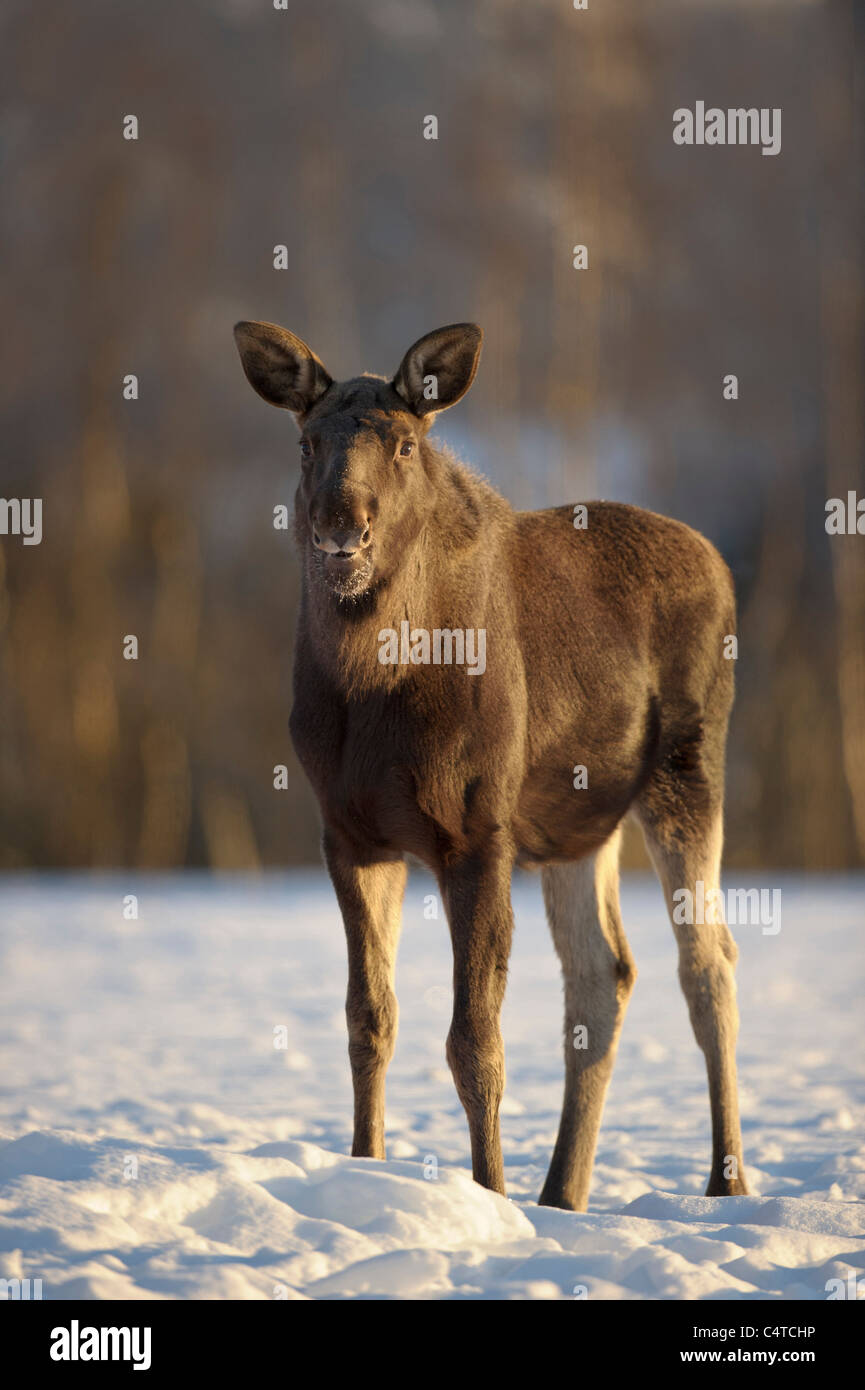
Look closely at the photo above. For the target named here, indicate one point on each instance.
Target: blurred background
(303, 127)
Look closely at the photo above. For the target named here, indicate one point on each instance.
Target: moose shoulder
(603, 654)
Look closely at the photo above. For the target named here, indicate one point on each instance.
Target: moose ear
(440, 368)
(280, 366)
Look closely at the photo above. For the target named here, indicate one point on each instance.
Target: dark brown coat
(604, 650)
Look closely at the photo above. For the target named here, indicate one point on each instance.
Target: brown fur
(603, 649)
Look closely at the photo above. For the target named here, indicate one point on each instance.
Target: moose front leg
(370, 898)
(477, 892)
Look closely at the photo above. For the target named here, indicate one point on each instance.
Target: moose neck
(440, 579)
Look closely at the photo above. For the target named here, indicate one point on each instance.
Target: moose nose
(341, 542)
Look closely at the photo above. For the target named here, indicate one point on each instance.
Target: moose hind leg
(685, 848)
(582, 902)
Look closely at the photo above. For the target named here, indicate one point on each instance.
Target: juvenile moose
(604, 650)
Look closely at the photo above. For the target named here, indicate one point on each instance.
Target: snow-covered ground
(157, 1144)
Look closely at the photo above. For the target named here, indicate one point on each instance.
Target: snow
(157, 1144)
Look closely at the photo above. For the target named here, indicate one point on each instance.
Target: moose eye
(406, 449)
(305, 449)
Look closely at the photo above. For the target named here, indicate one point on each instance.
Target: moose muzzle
(346, 540)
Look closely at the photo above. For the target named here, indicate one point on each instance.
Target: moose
(604, 650)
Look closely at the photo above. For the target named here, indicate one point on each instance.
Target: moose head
(364, 491)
